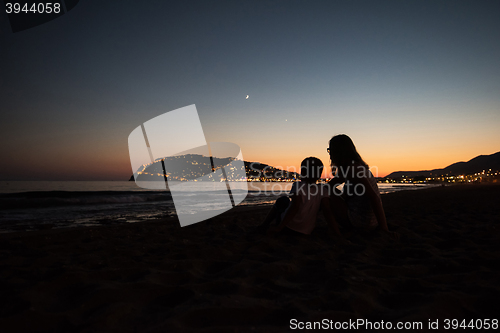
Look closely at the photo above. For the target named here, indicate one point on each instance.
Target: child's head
(343, 152)
(311, 169)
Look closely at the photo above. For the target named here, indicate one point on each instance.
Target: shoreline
(217, 275)
(31, 211)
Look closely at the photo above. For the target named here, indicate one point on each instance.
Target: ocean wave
(77, 198)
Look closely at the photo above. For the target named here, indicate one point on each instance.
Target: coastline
(77, 204)
(218, 276)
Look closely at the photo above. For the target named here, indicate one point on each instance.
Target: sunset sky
(416, 84)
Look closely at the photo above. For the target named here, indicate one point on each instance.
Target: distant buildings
(488, 176)
(192, 167)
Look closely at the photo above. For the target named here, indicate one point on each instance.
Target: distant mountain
(192, 166)
(477, 164)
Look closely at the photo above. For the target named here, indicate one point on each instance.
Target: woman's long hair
(343, 153)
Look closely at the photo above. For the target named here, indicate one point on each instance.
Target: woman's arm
(377, 207)
(332, 223)
(330, 218)
(333, 183)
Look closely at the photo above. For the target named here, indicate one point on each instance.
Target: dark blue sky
(416, 84)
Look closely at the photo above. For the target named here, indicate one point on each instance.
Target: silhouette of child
(299, 212)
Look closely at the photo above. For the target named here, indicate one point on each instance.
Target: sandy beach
(219, 276)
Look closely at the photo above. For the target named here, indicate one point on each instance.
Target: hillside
(475, 165)
(192, 166)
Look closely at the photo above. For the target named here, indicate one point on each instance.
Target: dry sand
(217, 276)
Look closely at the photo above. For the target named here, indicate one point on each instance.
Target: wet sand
(219, 276)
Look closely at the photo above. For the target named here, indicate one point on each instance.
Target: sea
(35, 205)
